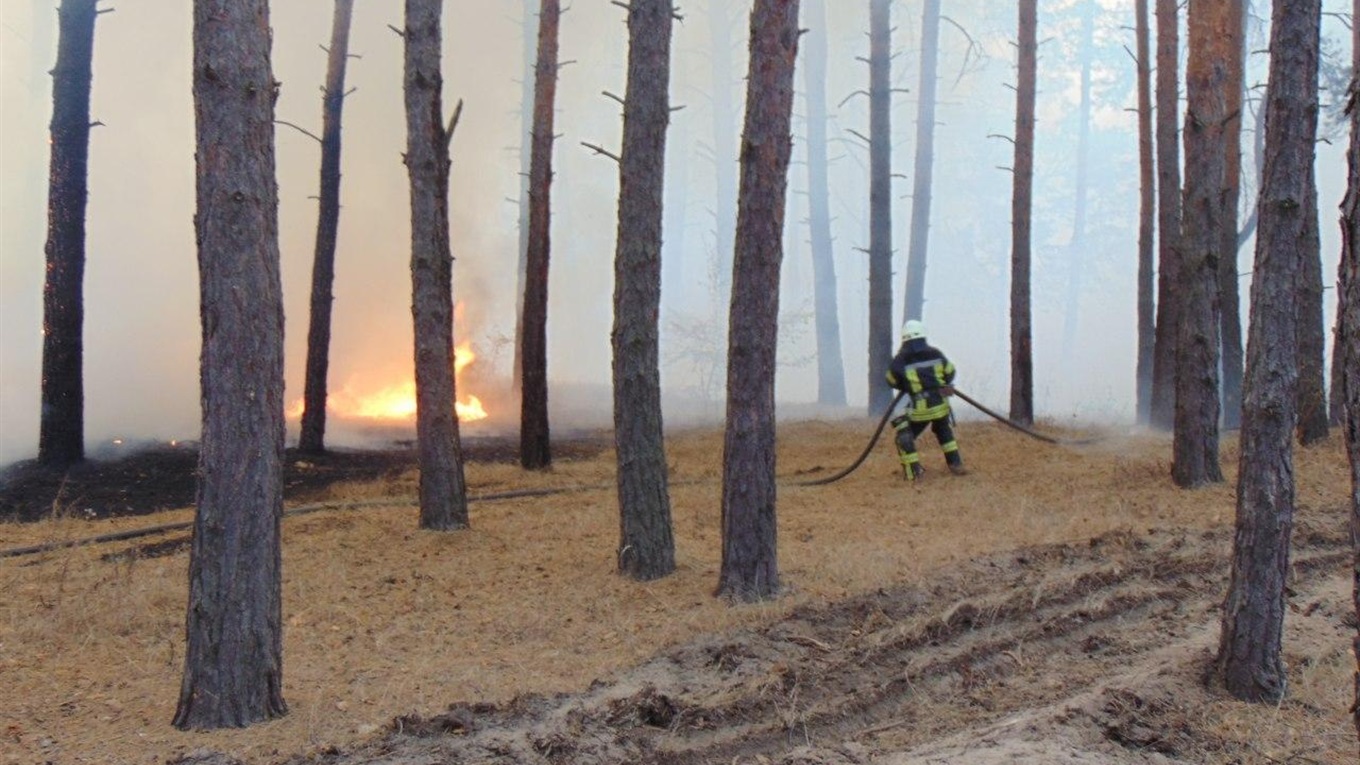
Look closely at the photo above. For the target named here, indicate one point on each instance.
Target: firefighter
(927, 377)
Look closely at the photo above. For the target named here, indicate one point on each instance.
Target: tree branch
(301, 130)
(453, 124)
(845, 100)
(600, 150)
(859, 135)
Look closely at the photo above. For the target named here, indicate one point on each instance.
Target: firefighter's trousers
(907, 432)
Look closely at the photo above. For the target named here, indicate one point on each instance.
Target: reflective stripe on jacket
(921, 370)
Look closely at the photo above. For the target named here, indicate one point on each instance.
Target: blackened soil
(162, 476)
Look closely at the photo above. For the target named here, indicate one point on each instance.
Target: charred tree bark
(1312, 332)
(880, 204)
(443, 492)
(61, 428)
(1022, 195)
(1076, 248)
(1209, 91)
(1230, 318)
(923, 182)
(1348, 319)
(526, 141)
(830, 366)
(1168, 214)
(750, 567)
(312, 439)
(1147, 214)
(535, 452)
(646, 546)
(1249, 662)
(233, 661)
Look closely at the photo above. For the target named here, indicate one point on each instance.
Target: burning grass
(384, 620)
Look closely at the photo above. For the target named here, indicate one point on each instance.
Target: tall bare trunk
(1249, 662)
(918, 254)
(830, 367)
(233, 659)
(646, 546)
(61, 426)
(880, 204)
(1336, 390)
(313, 436)
(1348, 318)
(1230, 318)
(443, 492)
(1022, 354)
(1168, 214)
(1209, 91)
(534, 446)
(1147, 213)
(1312, 332)
(750, 567)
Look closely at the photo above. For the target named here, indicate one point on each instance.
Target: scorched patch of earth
(1088, 653)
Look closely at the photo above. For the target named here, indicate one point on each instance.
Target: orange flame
(396, 403)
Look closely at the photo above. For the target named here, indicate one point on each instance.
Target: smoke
(142, 329)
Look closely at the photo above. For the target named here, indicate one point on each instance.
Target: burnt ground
(1086, 653)
(131, 480)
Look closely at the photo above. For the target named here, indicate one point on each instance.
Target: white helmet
(913, 329)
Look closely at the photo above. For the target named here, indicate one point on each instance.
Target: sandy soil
(1056, 605)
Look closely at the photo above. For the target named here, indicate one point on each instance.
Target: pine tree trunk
(535, 452)
(1168, 214)
(1249, 662)
(1230, 318)
(1312, 332)
(443, 492)
(61, 427)
(646, 546)
(830, 366)
(1348, 335)
(1022, 354)
(1076, 248)
(918, 254)
(750, 568)
(880, 204)
(1336, 391)
(233, 662)
(1147, 213)
(1209, 90)
(312, 439)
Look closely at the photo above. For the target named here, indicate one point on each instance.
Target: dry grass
(382, 619)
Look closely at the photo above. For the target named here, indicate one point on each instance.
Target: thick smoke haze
(142, 328)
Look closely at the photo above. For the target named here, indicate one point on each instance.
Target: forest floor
(1057, 605)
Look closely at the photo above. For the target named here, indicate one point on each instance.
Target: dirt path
(1086, 653)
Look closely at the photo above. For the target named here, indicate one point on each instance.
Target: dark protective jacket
(921, 370)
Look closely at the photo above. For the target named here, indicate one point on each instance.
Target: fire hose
(888, 413)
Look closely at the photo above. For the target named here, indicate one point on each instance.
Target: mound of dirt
(1055, 654)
